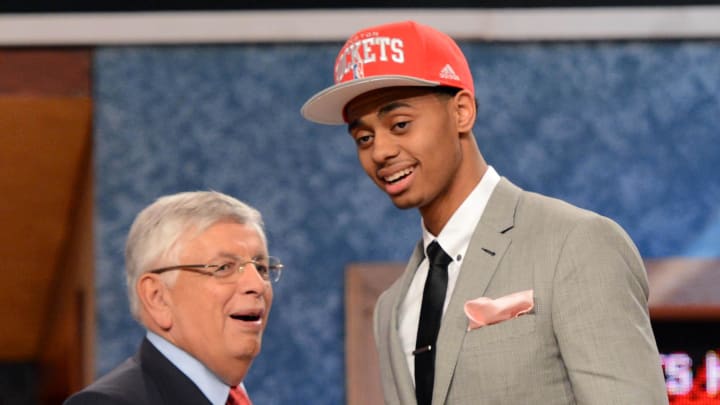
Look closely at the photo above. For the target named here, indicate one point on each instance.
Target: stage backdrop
(629, 129)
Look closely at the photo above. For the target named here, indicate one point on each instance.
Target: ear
(155, 299)
(466, 111)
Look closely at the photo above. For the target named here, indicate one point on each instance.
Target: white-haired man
(199, 280)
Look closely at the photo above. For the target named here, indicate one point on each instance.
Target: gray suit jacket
(587, 341)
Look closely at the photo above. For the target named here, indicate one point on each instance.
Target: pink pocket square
(487, 311)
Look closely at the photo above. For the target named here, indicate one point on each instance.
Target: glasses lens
(224, 271)
(269, 269)
(275, 267)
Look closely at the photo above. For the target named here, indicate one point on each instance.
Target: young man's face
(408, 143)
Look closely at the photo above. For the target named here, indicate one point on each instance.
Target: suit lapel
(405, 384)
(487, 247)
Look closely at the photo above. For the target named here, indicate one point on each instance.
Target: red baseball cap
(396, 54)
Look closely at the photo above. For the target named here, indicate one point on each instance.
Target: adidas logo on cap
(447, 72)
(391, 55)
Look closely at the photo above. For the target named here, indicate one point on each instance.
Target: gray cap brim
(327, 106)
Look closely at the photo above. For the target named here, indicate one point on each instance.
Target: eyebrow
(381, 112)
(225, 255)
(232, 256)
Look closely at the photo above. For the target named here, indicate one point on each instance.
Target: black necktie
(430, 317)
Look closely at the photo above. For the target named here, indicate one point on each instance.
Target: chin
(403, 203)
(248, 349)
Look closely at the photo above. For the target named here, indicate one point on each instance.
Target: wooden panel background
(363, 284)
(47, 294)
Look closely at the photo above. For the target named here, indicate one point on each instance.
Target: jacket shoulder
(122, 385)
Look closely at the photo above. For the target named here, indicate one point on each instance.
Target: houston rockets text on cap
(397, 54)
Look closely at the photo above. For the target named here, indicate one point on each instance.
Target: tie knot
(238, 396)
(437, 255)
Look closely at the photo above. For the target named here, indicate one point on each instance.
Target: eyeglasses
(269, 268)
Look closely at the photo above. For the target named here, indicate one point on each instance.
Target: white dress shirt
(454, 238)
(214, 389)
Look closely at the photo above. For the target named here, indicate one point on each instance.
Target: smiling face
(414, 144)
(220, 322)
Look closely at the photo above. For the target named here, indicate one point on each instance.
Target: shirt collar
(455, 236)
(210, 385)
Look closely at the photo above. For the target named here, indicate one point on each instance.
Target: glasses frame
(273, 274)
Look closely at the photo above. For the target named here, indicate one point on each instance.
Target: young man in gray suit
(521, 298)
(199, 280)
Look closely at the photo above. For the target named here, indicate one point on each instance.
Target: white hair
(156, 233)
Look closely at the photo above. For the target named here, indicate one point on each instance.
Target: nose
(250, 280)
(384, 147)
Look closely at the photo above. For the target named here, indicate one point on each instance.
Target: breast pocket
(508, 331)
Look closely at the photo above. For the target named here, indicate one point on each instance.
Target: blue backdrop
(628, 129)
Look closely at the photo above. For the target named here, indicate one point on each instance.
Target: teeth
(398, 175)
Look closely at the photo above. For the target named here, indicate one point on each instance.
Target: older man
(199, 280)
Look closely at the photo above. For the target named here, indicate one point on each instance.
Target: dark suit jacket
(146, 378)
(587, 341)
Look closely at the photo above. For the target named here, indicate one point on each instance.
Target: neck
(231, 372)
(234, 375)
(437, 214)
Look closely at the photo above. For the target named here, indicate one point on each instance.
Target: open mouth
(246, 317)
(397, 176)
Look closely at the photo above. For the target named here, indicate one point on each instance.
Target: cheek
(212, 305)
(268, 300)
(205, 311)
